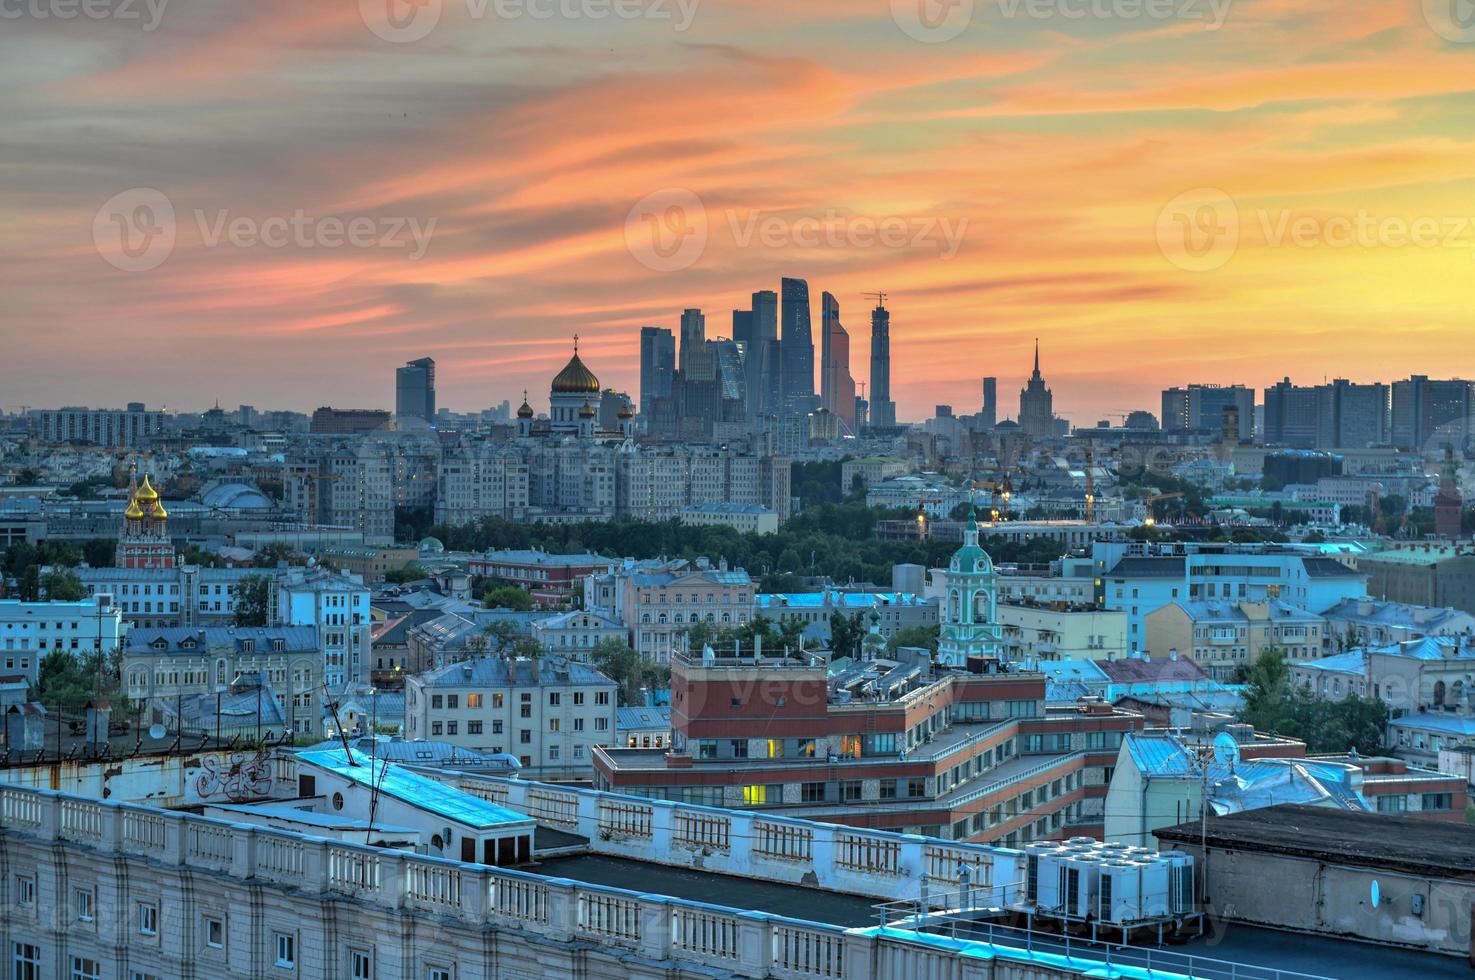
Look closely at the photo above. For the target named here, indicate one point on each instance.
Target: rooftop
(503, 672)
(1407, 845)
(414, 789)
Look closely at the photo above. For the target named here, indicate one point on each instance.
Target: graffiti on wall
(239, 777)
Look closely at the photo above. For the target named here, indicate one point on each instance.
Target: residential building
(892, 611)
(746, 518)
(162, 665)
(1202, 408)
(329, 421)
(658, 603)
(115, 428)
(643, 727)
(1374, 622)
(1225, 635)
(1069, 580)
(575, 634)
(1141, 579)
(550, 712)
(550, 578)
(482, 479)
(1035, 631)
(1427, 413)
(31, 630)
(184, 595)
(864, 472)
(1423, 574)
(338, 606)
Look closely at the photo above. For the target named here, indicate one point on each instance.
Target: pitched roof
(1137, 670)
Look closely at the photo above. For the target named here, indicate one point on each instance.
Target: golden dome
(159, 513)
(133, 512)
(526, 411)
(587, 412)
(625, 413)
(575, 378)
(147, 493)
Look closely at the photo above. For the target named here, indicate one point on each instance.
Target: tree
(273, 554)
(846, 633)
(253, 599)
(508, 597)
(410, 572)
(1272, 705)
(914, 636)
(628, 669)
(63, 585)
(99, 552)
(66, 682)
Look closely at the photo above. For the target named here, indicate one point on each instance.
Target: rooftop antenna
(343, 736)
(879, 297)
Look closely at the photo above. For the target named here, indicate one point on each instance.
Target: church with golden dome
(573, 407)
(144, 541)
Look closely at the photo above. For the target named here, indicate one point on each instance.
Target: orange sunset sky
(1223, 191)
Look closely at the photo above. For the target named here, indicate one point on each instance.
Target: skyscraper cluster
(762, 378)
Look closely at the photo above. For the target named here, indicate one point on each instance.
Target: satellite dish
(1226, 749)
(157, 730)
(1375, 893)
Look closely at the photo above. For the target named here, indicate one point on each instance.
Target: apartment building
(31, 630)
(1036, 631)
(1222, 636)
(549, 712)
(338, 607)
(186, 595)
(659, 601)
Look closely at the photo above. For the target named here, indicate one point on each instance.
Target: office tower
(1200, 408)
(742, 329)
(1427, 414)
(1037, 405)
(693, 336)
(990, 402)
(657, 365)
(837, 387)
(1353, 416)
(798, 348)
(762, 365)
(1292, 415)
(414, 390)
(882, 408)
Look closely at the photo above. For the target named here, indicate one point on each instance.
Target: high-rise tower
(837, 387)
(1037, 404)
(882, 408)
(657, 365)
(414, 390)
(798, 348)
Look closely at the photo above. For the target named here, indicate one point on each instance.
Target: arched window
(1439, 694)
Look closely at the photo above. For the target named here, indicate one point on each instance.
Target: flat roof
(1373, 840)
(416, 790)
(792, 901)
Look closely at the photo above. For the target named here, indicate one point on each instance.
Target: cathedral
(970, 625)
(144, 541)
(574, 401)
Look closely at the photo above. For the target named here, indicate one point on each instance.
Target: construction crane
(880, 298)
(1149, 501)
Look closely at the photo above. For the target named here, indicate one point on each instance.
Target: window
(438, 973)
(811, 792)
(888, 789)
(601, 697)
(707, 749)
(215, 933)
(82, 903)
(916, 788)
(850, 790)
(1392, 804)
(453, 700)
(554, 699)
(451, 727)
(360, 965)
(25, 961)
(473, 700)
(85, 969)
(739, 748)
(286, 951)
(25, 891)
(148, 919)
(473, 727)
(436, 701)
(1437, 801)
(806, 748)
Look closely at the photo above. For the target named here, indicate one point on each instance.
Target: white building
(31, 630)
(338, 605)
(746, 518)
(548, 712)
(576, 634)
(187, 595)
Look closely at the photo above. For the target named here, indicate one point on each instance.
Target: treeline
(834, 540)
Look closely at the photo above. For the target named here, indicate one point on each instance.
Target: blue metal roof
(414, 789)
(1157, 756)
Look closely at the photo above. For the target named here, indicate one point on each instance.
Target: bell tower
(144, 540)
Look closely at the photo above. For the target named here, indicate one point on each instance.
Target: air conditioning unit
(1182, 897)
(1119, 893)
